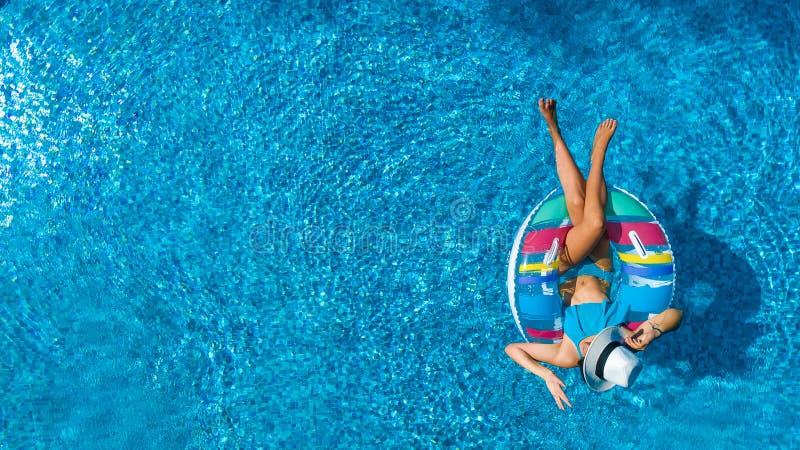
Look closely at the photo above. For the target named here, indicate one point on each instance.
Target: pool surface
(238, 224)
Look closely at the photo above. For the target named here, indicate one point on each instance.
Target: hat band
(601, 360)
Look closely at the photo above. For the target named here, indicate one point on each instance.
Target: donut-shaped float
(643, 264)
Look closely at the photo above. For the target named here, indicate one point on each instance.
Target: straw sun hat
(609, 362)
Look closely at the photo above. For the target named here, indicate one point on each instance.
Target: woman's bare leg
(583, 237)
(569, 175)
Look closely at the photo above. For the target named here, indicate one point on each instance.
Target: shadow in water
(725, 294)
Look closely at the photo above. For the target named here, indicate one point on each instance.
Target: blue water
(287, 224)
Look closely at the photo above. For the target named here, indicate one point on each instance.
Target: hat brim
(600, 341)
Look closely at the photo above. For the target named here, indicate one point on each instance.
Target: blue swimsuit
(587, 319)
(586, 267)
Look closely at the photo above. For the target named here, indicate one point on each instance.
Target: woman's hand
(642, 336)
(555, 386)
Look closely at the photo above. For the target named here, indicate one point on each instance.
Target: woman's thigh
(580, 241)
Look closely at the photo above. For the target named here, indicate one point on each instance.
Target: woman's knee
(595, 224)
(576, 203)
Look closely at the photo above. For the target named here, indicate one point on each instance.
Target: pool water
(236, 224)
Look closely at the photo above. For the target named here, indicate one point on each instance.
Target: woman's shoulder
(567, 356)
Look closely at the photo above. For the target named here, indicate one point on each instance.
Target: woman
(585, 268)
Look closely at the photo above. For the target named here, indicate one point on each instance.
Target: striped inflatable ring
(643, 262)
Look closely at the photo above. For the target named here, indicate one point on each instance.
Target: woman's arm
(654, 328)
(528, 355)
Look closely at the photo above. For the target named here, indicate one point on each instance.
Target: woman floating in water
(585, 272)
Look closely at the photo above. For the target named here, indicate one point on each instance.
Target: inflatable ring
(642, 257)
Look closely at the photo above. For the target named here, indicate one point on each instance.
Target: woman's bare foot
(602, 137)
(548, 109)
